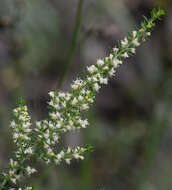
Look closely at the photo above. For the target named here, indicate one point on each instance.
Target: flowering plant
(65, 110)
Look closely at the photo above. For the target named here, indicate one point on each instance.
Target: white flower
(29, 151)
(52, 94)
(25, 137)
(148, 33)
(80, 98)
(38, 124)
(56, 137)
(13, 124)
(133, 50)
(68, 96)
(96, 87)
(83, 123)
(71, 122)
(68, 127)
(28, 188)
(28, 130)
(112, 72)
(115, 49)
(83, 91)
(13, 163)
(69, 150)
(90, 100)
(30, 170)
(77, 84)
(51, 103)
(77, 156)
(124, 42)
(106, 68)
(103, 80)
(46, 135)
(74, 101)
(89, 79)
(125, 55)
(115, 63)
(85, 106)
(58, 125)
(22, 118)
(61, 94)
(134, 34)
(60, 155)
(68, 160)
(92, 69)
(111, 56)
(100, 62)
(54, 115)
(15, 111)
(15, 135)
(57, 106)
(26, 125)
(11, 172)
(136, 42)
(94, 79)
(13, 180)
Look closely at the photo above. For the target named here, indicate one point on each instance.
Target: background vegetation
(43, 46)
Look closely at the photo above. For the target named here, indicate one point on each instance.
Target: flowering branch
(65, 112)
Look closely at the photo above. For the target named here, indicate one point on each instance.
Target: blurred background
(42, 48)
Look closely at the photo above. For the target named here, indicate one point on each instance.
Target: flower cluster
(22, 137)
(65, 112)
(21, 127)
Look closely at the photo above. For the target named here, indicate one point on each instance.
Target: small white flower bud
(100, 62)
(96, 87)
(92, 69)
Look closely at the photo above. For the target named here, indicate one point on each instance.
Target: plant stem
(155, 136)
(73, 42)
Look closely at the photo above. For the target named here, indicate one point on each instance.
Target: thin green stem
(73, 45)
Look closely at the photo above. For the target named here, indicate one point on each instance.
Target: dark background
(130, 122)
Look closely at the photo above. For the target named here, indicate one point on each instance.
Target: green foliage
(157, 13)
(21, 102)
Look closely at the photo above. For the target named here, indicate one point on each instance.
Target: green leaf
(157, 13)
(89, 148)
(20, 102)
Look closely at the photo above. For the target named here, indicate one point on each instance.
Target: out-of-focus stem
(73, 42)
(155, 136)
